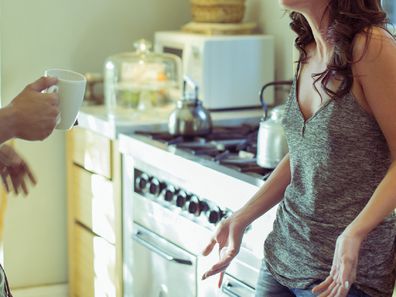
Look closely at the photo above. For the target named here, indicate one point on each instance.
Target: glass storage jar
(140, 80)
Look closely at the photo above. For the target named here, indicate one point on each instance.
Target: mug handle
(55, 89)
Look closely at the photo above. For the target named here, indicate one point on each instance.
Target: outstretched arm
(229, 234)
(376, 73)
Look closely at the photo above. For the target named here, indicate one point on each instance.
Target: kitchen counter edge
(96, 119)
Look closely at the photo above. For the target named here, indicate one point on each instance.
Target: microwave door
(173, 50)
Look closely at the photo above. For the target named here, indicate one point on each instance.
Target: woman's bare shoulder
(372, 43)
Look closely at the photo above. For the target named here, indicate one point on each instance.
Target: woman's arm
(375, 71)
(270, 194)
(229, 234)
(377, 76)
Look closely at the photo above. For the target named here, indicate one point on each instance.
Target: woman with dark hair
(334, 234)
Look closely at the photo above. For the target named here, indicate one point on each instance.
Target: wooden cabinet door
(94, 215)
(94, 265)
(94, 204)
(91, 151)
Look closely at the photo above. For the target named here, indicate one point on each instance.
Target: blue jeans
(267, 286)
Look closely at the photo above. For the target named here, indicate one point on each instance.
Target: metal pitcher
(271, 140)
(189, 118)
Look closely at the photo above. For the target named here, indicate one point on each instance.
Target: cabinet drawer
(93, 265)
(94, 202)
(91, 151)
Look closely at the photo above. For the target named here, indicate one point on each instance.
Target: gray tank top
(337, 159)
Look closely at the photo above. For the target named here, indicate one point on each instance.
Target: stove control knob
(154, 186)
(181, 199)
(193, 205)
(203, 206)
(169, 193)
(141, 182)
(214, 215)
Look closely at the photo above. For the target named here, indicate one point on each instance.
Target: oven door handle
(228, 291)
(139, 237)
(227, 288)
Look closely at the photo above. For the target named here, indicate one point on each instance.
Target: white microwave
(229, 70)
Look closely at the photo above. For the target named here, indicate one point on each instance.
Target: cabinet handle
(139, 237)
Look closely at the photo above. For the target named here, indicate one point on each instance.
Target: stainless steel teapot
(189, 118)
(271, 140)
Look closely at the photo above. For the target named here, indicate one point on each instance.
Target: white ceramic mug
(71, 90)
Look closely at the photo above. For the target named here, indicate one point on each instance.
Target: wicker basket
(218, 11)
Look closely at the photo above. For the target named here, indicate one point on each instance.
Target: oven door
(161, 269)
(234, 288)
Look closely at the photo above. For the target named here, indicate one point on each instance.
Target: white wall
(273, 20)
(75, 34)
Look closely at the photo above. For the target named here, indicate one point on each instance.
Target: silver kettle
(271, 140)
(189, 118)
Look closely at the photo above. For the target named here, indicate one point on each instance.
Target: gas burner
(234, 147)
(218, 133)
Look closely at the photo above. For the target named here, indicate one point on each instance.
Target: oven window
(171, 50)
(390, 8)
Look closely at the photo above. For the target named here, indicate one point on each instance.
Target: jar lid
(142, 46)
(143, 68)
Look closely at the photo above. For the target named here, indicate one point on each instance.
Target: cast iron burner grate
(231, 146)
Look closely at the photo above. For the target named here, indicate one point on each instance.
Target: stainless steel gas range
(175, 191)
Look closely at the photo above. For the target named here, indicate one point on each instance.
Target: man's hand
(14, 171)
(33, 113)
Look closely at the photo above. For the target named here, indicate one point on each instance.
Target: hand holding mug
(70, 88)
(33, 113)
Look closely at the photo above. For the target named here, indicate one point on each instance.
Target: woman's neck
(318, 19)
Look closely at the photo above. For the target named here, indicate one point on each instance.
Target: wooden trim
(46, 291)
(70, 210)
(3, 208)
(116, 173)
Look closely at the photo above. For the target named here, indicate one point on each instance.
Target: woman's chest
(310, 94)
(313, 90)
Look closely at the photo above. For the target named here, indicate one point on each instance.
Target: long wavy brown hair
(346, 19)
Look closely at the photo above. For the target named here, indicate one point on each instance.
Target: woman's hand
(15, 170)
(343, 270)
(228, 236)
